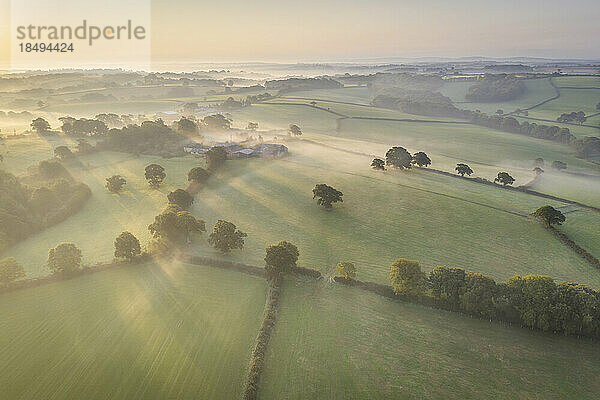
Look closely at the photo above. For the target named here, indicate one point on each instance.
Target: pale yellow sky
(316, 30)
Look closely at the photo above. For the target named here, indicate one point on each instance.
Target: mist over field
(340, 200)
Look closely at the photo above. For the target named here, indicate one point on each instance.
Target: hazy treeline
(496, 88)
(45, 197)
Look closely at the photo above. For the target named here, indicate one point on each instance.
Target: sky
(336, 30)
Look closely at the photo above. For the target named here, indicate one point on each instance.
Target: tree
(504, 178)
(226, 237)
(198, 174)
(407, 278)
(155, 174)
(40, 125)
(189, 224)
(127, 246)
(186, 126)
(346, 269)
(549, 215)
(165, 226)
(448, 283)
(252, 126)
(63, 152)
(421, 159)
(378, 163)
(559, 165)
(115, 183)
(294, 130)
(10, 270)
(538, 171)
(478, 296)
(181, 198)
(534, 297)
(326, 195)
(281, 258)
(538, 162)
(398, 157)
(217, 122)
(215, 158)
(463, 169)
(64, 259)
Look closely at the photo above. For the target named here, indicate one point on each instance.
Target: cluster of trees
(82, 127)
(510, 124)
(50, 196)
(533, 301)
(150, 137)
(578, 117)
(494, 88)
(399, 157)
(295, 84)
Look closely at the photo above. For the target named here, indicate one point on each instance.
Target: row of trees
(533, 301)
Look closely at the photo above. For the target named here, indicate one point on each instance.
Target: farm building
(270, 150)
(196, 149)
(244, 153)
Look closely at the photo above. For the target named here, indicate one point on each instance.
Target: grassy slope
(361, 95)
(24, 151)
(105, 215)
(584, 228)
(384, 216)
(578, 81)
(334, 342)
(569, 100)
(538, 90)
(585, 189)
(447, 144)
(144, 332)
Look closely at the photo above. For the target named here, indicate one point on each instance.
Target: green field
(583, 227)
(537, 90)
(437, 220)
(23, 151)
(334, 342)
(105, 214)
(578, 81)
(151, 331)
(569, 100)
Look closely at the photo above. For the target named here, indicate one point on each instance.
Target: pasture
(338, 342)
(385, 215)
(106, 214)
(537, 90)
(152, 331)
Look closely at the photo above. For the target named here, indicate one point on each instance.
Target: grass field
(537, 91)
(583, 227)
(419, 215)
(334, 342)
(569, 100)
(105, 214)
(582, 188)
(24, 151)
(578, 81)
(141, 332)
(361, 95)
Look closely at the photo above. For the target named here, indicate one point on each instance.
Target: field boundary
(576, 248)
(257, 360)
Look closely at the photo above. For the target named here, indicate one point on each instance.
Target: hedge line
(313, 273)
(514, 189)
(44, 280)
(257, 361)
(578, 249)
(224, 264)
